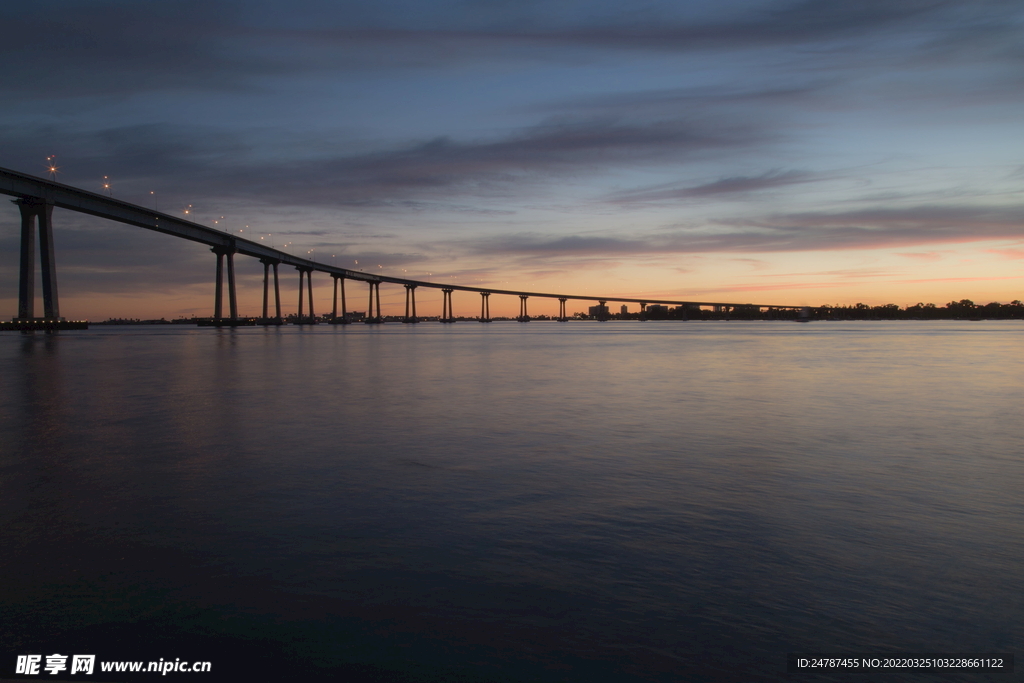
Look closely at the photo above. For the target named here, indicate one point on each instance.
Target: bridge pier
(523, 316)
(309, 283)
(305, 282)
(38, 210)
(344, 310)
(218, 291)
(266, 288)
(339, 282)
(266, 319)
(410, 297)
(218, 295)
(643, 311)
(33, 211)
(602, 311)
(561, 309)
(447, 316)
(277, 293)
(372, 319)
(485, 307)
(232, 296)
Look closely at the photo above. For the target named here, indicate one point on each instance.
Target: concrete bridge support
(309, 284)
(339, 283)
(33, 210)
(372, 319)
(277, 293)
(447, 316)
(266, 288)
(232, 294)
(305, 282)
(561, 309)
(410, 298)
(602, 314)
(267, 320)
(218, 291)
(524, 317)
(218, 296)
(485, 307)
(643, 310)
(344, 310)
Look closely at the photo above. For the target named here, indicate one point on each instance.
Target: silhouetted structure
(36, 198)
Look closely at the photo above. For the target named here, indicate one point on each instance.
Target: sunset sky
(773, 152)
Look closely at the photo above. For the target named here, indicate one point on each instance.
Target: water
(509, 502)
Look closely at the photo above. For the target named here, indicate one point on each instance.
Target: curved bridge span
(36, 197)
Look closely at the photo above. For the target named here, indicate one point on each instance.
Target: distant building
(657, 309)
(599, 311)
(624, 310)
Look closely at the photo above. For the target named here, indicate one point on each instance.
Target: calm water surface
(509, 502)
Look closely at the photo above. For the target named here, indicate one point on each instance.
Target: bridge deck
(26, 186)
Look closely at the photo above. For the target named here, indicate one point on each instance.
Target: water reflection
(542, 502)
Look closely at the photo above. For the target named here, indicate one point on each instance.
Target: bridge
(36, 198)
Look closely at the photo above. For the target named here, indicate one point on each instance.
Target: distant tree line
(965, 309)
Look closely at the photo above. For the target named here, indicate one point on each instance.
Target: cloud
(846, 273)
(71, 49)
(986, 278)
(887, 227)
(867, 229)
(1014, 254)
(765, 287)
(201, 161)
(104, 47)
(645, 102)
(655, 27)
(185, 156)
(484, 166)
(572, 245)
(823, 284)
(929, 256)
(732, 185)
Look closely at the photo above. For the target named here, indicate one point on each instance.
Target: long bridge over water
(37, 197)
